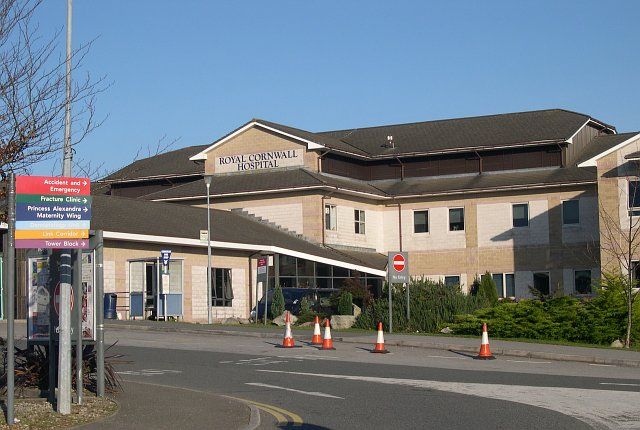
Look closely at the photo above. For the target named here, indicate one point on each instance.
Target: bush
(361, 293)
(345, 304)
(306, 313)
(599, 320)
(277, 305)
(432, 305)
(487, 289)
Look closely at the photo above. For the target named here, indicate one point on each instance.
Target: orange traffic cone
(327, 342)
(317, 337)
(485, 352)
(287, 342)
(379, 348)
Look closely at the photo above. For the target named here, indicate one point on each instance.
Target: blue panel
(174, 305)
(137, 308)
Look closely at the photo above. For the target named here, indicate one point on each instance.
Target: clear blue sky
(198, 69)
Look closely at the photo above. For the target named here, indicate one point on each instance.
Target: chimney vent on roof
(389, 143)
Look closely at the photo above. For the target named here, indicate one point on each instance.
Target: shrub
(432, 305)
(345, 304)
(277, 305)
(361, 293)
(487, 289)
(597, 320)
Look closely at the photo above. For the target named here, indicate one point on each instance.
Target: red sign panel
(51, 185)
(398, 262)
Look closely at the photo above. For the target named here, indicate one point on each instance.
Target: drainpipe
(324, 198)
(401, 169)
(562, 156)
(320, 157)
(480, 167)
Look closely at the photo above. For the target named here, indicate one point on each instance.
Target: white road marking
(601, 365)
(148, 372)
(444, 356)
(255, 359)
(225, 362)
(608, 409)
(264, 363)
(529, 361)
(309, 393)
(621, 384)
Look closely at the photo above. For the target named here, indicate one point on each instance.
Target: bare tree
(32, 90)
(620, 242)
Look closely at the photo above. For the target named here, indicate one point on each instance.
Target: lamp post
(207, 181)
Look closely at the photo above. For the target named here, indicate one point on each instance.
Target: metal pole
(266, 294)
(10, 258)
(209, 280)
(64, 350)
(77, 283)
(99, 313)
(390, 309)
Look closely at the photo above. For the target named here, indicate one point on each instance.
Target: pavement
(602, 356)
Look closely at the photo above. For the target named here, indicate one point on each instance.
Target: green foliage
(277, 305)
(487, 289)
(305, 305)
(598, 320)
(432, 305)
(345, 303)
(361, 293)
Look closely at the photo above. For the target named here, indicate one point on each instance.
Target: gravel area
(38, 413)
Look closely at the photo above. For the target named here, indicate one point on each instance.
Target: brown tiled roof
(172, 163)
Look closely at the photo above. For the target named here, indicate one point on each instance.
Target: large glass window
(287, 265)
(634, 194)
(541, 282)
(421, 221)
(571, 212)
(330, 218)
(497, 279)
(222, 290)
(510, 284)
(582, 281)
(456, 219)
(359, 221)
(451, 281)
(520, 214)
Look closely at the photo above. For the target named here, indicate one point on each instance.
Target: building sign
(398, 268)
(165, 255)
(259, 161)
(40, 289)
(52, 212)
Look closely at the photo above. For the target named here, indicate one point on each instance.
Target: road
(407, 389)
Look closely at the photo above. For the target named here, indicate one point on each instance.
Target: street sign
(52, 212)
(166, 256)
(398, 268)
(262, 265)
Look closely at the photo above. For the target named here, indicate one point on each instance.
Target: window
(541, 282)
(456, 219)
(510, 284)
(634, 194)
(421, 222)
(222, 291)
(497, 279)
(359, 221)
(330, 220)
(635, 267)
(582, 281)
(451, 281)
(520, 214)
(571, 212)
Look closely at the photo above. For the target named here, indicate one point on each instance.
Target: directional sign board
(398, 268)
(52, 212)
(165, 254)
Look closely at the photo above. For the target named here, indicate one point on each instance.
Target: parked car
(319, 298)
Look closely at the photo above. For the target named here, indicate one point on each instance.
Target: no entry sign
(398, 268)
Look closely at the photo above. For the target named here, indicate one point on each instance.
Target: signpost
(52, 212)
(397, 273)
(263, 278)
(165, 254)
